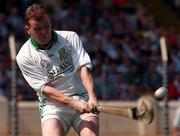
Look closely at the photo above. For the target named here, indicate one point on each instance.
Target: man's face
(40, 30)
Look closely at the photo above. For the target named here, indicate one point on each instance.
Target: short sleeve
(79, 55)
(31, 72)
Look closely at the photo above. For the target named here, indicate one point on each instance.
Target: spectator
(1, 83)
(3, 26)
(15, 21)
(152, 78)
(71, 19)
(174, 88)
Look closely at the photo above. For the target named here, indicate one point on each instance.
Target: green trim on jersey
(36, 45)
(41, 106)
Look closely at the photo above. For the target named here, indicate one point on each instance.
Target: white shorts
(66, 115)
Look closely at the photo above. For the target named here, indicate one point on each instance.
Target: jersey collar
(36, 45)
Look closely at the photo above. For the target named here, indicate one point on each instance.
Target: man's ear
(28, 30)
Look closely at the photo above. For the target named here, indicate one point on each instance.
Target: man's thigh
(52, 127)
(88, 125)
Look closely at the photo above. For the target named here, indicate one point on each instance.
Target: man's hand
(92, 101)
(81, 106)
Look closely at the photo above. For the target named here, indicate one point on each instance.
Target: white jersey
(55, 66)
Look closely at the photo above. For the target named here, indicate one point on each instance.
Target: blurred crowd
(174, 5)
(121, 36)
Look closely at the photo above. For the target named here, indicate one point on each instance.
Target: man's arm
(55, 95)
(88, 83)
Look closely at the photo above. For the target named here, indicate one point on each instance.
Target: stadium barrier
(4, 116)
(29, 121)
